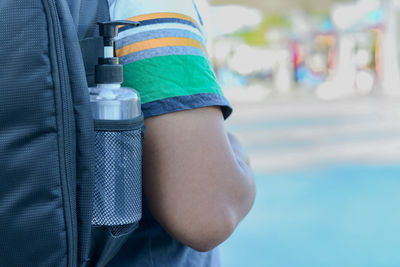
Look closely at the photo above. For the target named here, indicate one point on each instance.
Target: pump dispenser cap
(108, 70)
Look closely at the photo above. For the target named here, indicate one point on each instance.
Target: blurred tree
(257, 36)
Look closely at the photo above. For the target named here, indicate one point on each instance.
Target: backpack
(49, 158)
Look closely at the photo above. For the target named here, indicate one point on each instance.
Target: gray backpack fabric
(46, 133)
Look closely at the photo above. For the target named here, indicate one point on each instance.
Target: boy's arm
(196, 179)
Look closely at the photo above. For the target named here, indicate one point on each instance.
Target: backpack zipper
(66, 145)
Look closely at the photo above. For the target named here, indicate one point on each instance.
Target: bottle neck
(107, 90)
(109, 86)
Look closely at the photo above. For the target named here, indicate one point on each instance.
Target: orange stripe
(163, 15)
(158, 42)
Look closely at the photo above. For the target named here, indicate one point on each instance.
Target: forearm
(244, 198)
(241, 188)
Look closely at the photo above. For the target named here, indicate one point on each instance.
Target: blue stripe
(198, 13)
(158, 21)
(162, 51)
(180, 103)
(147, 35)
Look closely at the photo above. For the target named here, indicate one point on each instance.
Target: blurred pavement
(288, 134)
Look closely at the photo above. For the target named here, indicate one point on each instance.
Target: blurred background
(315, 85)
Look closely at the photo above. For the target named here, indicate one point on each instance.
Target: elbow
(212, 228)
(209, 236)
(207, 222)
(206, 232)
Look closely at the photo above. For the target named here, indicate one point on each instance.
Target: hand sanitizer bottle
(119, 132)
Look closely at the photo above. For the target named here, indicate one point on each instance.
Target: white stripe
(158, 27)
(123, 9)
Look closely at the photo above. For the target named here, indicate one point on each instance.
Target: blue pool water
(343, 215)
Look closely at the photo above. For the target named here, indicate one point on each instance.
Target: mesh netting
(118, 174)
(123, 229)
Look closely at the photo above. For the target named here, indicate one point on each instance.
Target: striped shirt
(165, 58)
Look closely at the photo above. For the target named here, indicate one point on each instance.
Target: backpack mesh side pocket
(118, 178)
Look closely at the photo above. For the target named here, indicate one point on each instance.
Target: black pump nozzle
(109, 30)
(109, 70)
